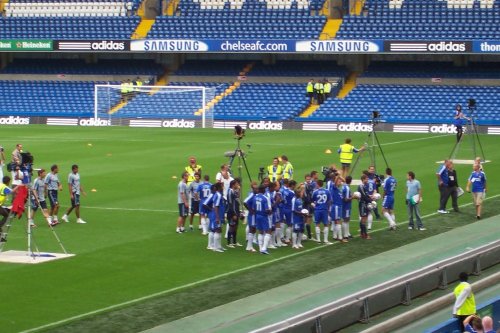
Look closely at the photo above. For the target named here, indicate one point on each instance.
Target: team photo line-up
(279, 211)
(44, 186)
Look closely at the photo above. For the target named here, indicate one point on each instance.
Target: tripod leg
(360, 155)
(478, 141)
(246, 168)
(381, 151)
(5, 232)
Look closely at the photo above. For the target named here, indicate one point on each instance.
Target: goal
(155, 102)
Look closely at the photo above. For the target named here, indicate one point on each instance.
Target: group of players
(44, 186)
(279, 211)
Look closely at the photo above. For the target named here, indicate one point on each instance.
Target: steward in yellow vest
(347, 152)
(287, 168)
(191, 169)
(465, 304)
(275, 171)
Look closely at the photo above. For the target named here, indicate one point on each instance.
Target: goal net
(155, 102)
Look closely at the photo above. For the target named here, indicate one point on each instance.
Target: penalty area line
(216, 277)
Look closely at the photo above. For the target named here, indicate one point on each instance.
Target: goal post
(155, 102)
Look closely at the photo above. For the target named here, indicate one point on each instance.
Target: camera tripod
(242, 162)
(372, 143)
(471, 132)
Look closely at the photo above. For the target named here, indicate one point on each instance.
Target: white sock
(339, 231)
(345, 229)
(318, 233)
(211, 240)
(260, 239)
(325, 234)
(267, 239)
(389, 218)
(393, 218)
(217, 244)
(204, 225)
(227, 230)
(272, 241)
(335, 231)
(49, 220)
(278, 236)
(299, 238)
(64, 216)
(288, 233)
(370, 220)
(249, 241)
(294, 239)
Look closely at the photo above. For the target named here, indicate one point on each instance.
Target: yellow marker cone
(93, 190)
(328, 151)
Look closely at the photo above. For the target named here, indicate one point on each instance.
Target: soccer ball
(304, 211)
(313, 205)
(376, 196)
(372, 205)
(356, 195)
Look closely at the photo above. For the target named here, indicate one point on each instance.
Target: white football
(304, 211)
(376, 196)
(374, 204)
(313, 205)
(356, 195)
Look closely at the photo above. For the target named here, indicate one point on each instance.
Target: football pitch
(132, 271)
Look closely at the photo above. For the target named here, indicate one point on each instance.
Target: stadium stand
(117, 27)
(47, 98)
(410, 103)
(80, 67)
(317, 69)
(271, 19)
(211, 68)
(254, 101)
(425, 20)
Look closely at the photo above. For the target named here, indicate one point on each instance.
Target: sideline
(216, 277)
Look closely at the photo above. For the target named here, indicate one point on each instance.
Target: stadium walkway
(270, 306)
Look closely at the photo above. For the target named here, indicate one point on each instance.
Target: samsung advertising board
(339, 46)
(211, 45)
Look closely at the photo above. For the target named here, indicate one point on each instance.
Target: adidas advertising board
(92, 45)
(94, 122)
(355, 127)
(11, 120)
(428, 46)
(445, 129)
(265, 125)
(178, 123)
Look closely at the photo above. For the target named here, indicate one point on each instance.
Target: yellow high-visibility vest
(469, 306)
(328, 88)
(3, 196)
(288, 171)
(275, 173)
(346, 153)
(310, 87)
(123, 88)
(191, 171)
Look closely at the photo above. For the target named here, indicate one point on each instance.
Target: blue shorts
(76, 200)
(35, 206)
(346, 213)
(287, 217)
(388, 202)
(53, 198)
(264, 223)
(251, 221)
(276, 217)
(321, 216)
(298, 227)
(202, 210)
(213, 225)
(336, 212)
(182, 210)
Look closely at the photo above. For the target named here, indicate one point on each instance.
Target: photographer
(328, 171)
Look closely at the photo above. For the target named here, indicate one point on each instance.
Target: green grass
(129, 248)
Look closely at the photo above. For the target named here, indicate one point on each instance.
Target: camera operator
(328, 171)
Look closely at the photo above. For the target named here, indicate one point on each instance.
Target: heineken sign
(26, 45)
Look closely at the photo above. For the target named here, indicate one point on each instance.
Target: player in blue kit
(214, 204)
(371, 189)
(336, 208)
(287, 196)
(388, 202)
(364, 202)
(298, 218)
(321, 201)
(203, 191)
(346, 207)
(251, 222)
(262, 208)
(275, 195)
(477, 180)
